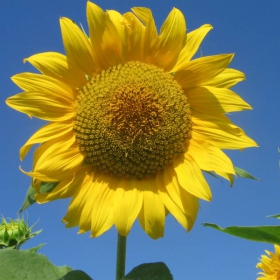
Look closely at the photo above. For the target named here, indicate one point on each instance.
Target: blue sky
(250, 29)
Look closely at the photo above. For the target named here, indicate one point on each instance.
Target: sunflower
(270, 265)
(133, 121)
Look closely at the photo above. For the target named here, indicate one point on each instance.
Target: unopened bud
(14, 233)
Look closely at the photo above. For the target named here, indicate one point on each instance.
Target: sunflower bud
(14, 233)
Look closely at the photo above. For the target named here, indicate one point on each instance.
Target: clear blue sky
(250, 29)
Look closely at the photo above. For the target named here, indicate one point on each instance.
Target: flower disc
(132, 119)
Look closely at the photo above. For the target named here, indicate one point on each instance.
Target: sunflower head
(134, 120)
(270, 265)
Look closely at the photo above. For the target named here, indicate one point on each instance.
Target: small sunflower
(270, 265)
(133, 121)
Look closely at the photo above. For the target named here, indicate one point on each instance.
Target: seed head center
(131, 120)
(136, 112)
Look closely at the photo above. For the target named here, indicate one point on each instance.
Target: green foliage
(30, 199)
(276, 216)
(76, 275)
(268, 234)
(35, 249)
(239, 172)
(244, 174)
(149, 271)
(22, 265)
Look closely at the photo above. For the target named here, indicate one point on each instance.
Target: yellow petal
(67, 161)
(168, 178)
(142, 13)
(38, 175)
(58, 158)
(194, 39)
(226, 79)
(79, 202)
(191, 206)
(77, 47)
(191, 178)
(54, 146)
(51, 86)
(85, 198)
(42, 105)
(215, 100)
(91, 206)
(104, 37)
(134, 33)
(209, 157)
(66, 188)
(201, 70)
(44, 134)
(219, 131)
(150, 38)
(118, 21)
(103, 200)
(169, 191)
(128, 201)
(152, 214)
(277, 250)
(55, 65)
(171, 39)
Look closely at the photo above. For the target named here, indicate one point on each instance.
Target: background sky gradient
(250, 29)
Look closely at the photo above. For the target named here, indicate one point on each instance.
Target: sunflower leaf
(268, 234)
(22, 265)
(244, 174)
(30, 199)
(35, 249)
(276, 216)
(149, 271)
(75, 275)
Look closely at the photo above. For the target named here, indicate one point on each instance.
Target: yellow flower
(270, 265)
(133, 120)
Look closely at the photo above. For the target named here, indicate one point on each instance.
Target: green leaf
(268, 234)
(29, 198)
(276, 216)
(35, 249)
(149, 271)
(22, 265)
(244, 174)
(75, 275)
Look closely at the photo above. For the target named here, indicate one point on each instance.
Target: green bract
(13, 233)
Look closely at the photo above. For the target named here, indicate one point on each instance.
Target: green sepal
(268, 234)
(30, 199)
(244, 174)
(149, 271)
(22, 265)
(14, 233)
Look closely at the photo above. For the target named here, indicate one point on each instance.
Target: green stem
(121, 252)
